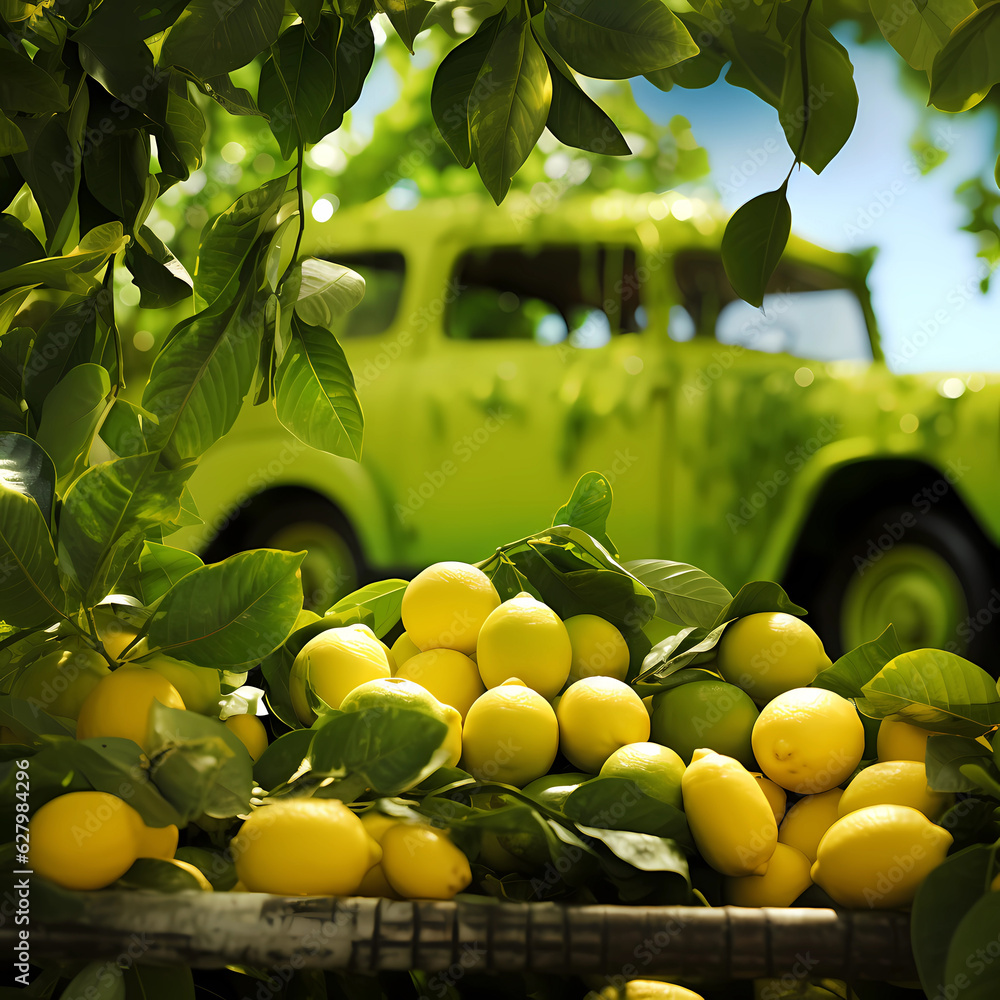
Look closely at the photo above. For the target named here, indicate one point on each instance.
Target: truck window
(384, 273)
(546, 294)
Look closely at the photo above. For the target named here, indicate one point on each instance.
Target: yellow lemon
(402, 649)
(60, 681)
(901, 741)
(303, 847)
(647, 989)
(120, 704)
(375, 883)
(525, 638)
(420, 862)
(774, 794)
(769, 653)
(786, 878)
(510, 735)
(333, 664)
(251, 733)
(808, 740)
(705, 713)
(156, 841)
(115, 633)
(730, 818)
(449, 675)
(445, 605)
(597, 716)
(895, 782)
(876, 857)
(806, 822)
(599, 649)
(655, 769)
(198, 686)
(83, 840)
(388, 692)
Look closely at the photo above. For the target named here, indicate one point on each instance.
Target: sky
(925, 279)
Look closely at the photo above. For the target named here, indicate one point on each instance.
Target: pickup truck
(499, 353)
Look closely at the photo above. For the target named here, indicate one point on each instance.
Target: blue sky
(925, 279)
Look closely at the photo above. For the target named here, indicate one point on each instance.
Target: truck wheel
(333, 565)
(932, 581)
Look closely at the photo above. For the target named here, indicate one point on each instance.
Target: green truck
(499, 353)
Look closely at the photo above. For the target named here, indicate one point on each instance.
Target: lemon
(769, 653)
(705, 713)
(156, 841)
(120, 704)
(730, 818)
(251, 733)
(115, 633)
(806, 822)
(510, 735)
(648, 989)
(60, 681)
(402, 649)
(786, 878)
(895, 782)
(808, 740)
(877, 856)
(774, 794)
(901, 741)
(655, 769)
(303, 847)
(83, 840)
(597, 716)
(375, 883)
(389, 692)
(420, 862)
(333, 664)
(197, 686)
(449, 675)
(445, 605)
(525, 638)
(599, 649)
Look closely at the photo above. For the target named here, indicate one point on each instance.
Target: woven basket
(370, 935)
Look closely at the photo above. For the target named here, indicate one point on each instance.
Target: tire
(929, 575)
(334, 564)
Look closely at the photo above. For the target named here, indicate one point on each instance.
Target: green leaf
(216, 866)
(116, 170)
(47, 165)
(198, 764)
(180, 143)
(819, 101)
(857, 667)
(157, 875)
(919, 31)
(231, 613)
(684, 594)
(29, 582)
(671, 655)
(614, 41)
(211, 38)
(161, 566)
(692, 73)
(230, 239)
(97, 981)
(327, 292)
(382, 600)
(70, 415)
(454, 82)
(971, 954)
(314, 390)
(25, 86)
(944, 760)
(11, 138)
(642, 850)
(935, 690)
(388, 749)
(26, 469)
(576, 120)
(276, 669)
(233, 99)
(160, 983)
(121, 430)
(308, 68)
(758, 64)
(161, 278)
(753, 242)
(508, 107)
(753, 598)
(309, 11)
(943, 899)
(107, 512)
(588, 509)
(968, 66)
(407, 17)
(612, 803)
(282, 758)
(200, 378)
(355, 52)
